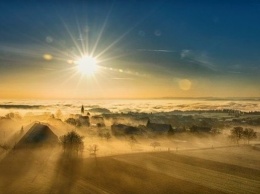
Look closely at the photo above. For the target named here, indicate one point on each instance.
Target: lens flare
(185, 84)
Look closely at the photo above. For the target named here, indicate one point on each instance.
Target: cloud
(235, 67)
(31, 51)
(185, 53)
(157, 50)
(19, 106)
(234, 72)
(200, 58)
(242, 69)
(148, 106)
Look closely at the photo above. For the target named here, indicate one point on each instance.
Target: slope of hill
(49, 171)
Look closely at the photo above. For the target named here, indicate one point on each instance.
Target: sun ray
(101, 32)
(87, 41)
(79, 81)
(72, 38)
(123, 35)
(102, 60)
(80, 36)
(81, 60)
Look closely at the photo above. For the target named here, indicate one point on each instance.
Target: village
(104, 124)
(98, 140)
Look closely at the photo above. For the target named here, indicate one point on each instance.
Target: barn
(38, 135)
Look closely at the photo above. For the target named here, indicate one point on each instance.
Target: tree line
(238, 134)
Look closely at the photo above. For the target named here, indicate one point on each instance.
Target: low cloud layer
(167, 105)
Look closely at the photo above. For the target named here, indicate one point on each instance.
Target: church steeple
(82, 109)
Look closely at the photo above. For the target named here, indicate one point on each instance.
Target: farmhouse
(37, 135)
(198, 129)
(97, 120)
(78, 120)
(84, 120)
(159, 128)
(121, 129)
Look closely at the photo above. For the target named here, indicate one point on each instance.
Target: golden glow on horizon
(87, 65)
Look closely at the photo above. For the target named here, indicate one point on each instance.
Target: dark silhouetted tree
(132, 141)
(155, 144)
(249, 134)
(237, 134)
(215, 131)
(171, 132)
(72, 142)
(21, 130)
(107, 135)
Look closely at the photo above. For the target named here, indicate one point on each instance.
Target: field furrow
(192, 173)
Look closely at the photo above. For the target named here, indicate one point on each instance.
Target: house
(121, 129)
(38, 135)
(97, 120)
(84, 120)
(78, 121)
(198, 129)
(159, 128)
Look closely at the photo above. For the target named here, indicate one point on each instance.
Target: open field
(48, 171)
(244, 155)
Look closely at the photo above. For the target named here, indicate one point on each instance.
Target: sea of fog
(148, 106)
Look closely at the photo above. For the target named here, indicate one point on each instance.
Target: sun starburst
(87, 65)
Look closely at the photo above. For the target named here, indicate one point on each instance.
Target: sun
(87, 65)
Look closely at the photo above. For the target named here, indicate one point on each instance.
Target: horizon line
(147, 98)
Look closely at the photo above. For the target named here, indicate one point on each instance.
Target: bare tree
(107, 135)
(93, 149)
(132, 141)
(72, 142)
(215, 131)
(249, 134)
(237, 134)
(155, 144)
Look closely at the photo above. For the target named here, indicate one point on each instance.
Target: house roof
(121, 129)
(36, 135)
(159, 127)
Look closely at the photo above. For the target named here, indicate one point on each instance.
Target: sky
(142, 49)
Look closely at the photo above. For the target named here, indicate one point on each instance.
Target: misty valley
(100, 151)
(129, 97)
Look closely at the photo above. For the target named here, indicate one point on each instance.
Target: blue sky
(209, 43)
